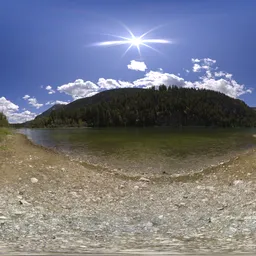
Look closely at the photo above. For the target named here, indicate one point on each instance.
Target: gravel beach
(49, 203)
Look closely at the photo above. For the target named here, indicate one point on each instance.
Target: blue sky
(50, 44)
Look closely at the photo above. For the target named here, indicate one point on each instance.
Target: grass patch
(4, 132)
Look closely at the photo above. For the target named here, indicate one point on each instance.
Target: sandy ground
(51, 204)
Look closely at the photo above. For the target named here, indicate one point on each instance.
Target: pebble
(74, 194)
(24, 202)
(34, 180)
(144, 179)
(237, 182)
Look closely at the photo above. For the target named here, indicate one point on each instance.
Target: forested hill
(171, 106)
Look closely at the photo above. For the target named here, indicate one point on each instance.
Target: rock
(160, 217)
(144, 179)
(18, 213)
(74, 194)
(237, 182)
(2, 217)
(136, 187)
(24, 202)
(149, 224)
(34, 180)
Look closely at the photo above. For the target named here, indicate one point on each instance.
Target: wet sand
(49, 203)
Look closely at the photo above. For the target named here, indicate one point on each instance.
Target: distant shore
(50, 203)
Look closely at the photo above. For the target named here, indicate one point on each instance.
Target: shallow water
(147, 150)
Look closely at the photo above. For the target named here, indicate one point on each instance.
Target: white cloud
(7, 106)
(137, 65)
(49, 89)
(202, 64)
(210, 79)
(26, 97)
(21, 117)
(223, 74)
(156, 78)
(108, 84)
(33, 102)
(79, 89)
(217, 81)
(196, 68)
(11, 111)
(195, 60)
(57, 102)
(230, 88)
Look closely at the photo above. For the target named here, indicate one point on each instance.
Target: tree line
(165, 106)
(3, 120)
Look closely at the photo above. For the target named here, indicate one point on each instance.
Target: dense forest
(3, 120)
(166, 106)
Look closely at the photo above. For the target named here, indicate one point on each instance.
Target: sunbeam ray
(150, 47)
(127, 50)
(151, 30)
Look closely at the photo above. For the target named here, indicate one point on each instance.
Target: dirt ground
(49, 203)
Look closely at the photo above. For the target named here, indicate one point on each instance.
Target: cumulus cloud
(220, 81)
(156, 78)
(7, 106)
(11, 110)
(49, 89)
(202, 64)
(57, 102)
(195, 60)
(26, 97)
(21, 117)
(209, 79)
(79, 89)
(33, 102)
(137, 65)
(107, 84)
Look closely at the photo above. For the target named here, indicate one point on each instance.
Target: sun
(138, 42)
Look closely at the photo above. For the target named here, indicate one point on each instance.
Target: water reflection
(146, 150)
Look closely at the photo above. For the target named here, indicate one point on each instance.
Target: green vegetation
(3, 133)
(171, 106)
(3, 120)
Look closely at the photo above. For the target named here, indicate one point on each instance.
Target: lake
(149, 151)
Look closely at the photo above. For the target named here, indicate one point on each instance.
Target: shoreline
(52, 204)
(182, 177)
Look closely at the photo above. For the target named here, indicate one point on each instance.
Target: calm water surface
(147, 150)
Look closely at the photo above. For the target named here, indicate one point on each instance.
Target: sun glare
(134, 41)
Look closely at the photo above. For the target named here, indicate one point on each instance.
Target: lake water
(147, 150)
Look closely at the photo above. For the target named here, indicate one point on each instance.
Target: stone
(34, 180)
(24, 202)
(237, 182)
(136, 187)
(144, 179)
